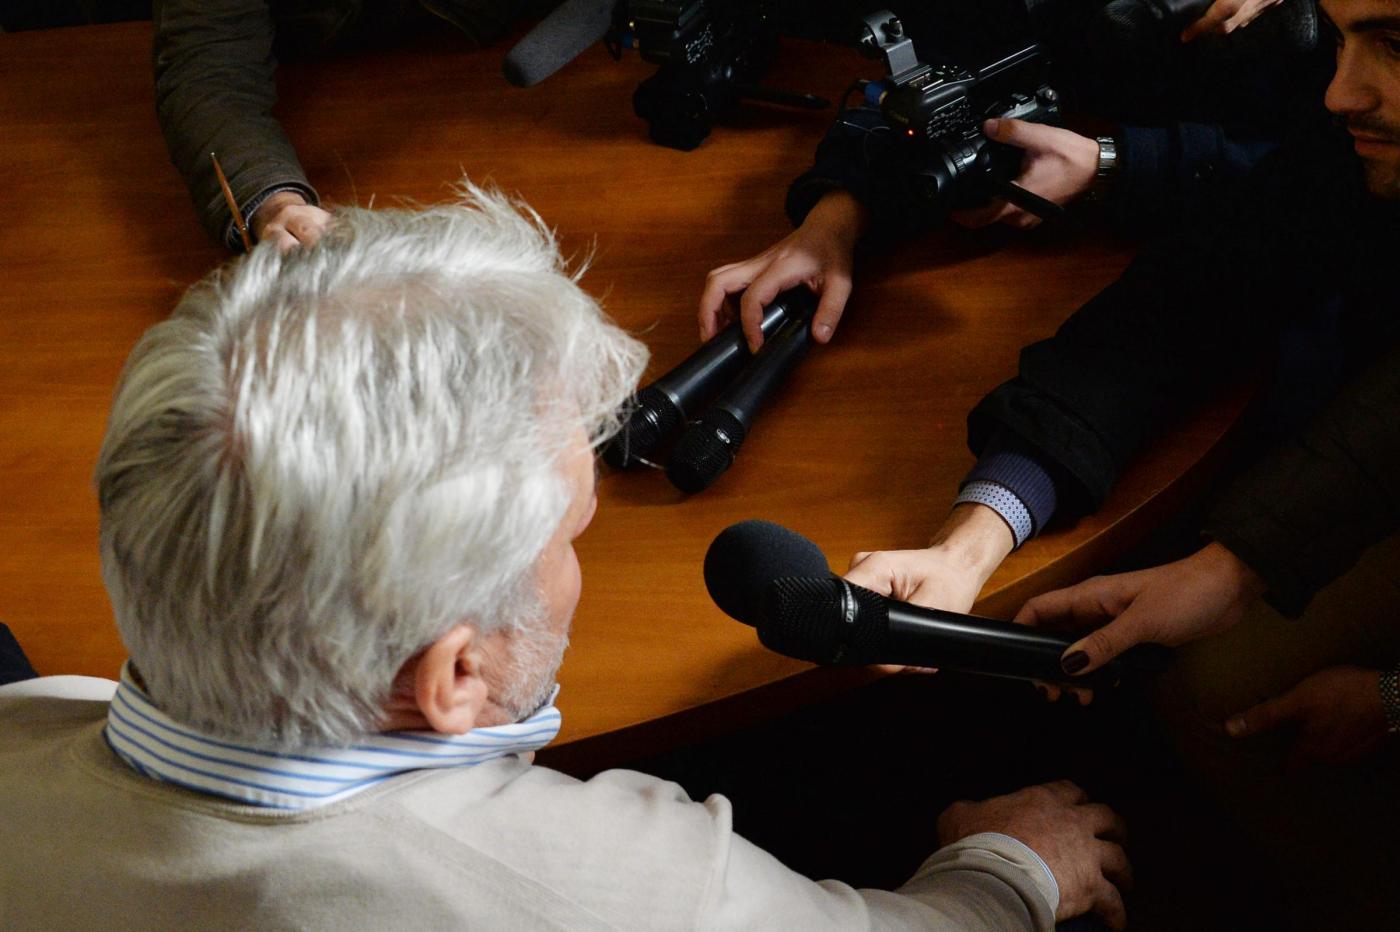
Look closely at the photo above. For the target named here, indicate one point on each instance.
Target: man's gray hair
(324, 460)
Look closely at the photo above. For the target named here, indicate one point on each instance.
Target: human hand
(950, 571)
(1337, 711)
(1059, 165)
(818, 254)
(287, 220)
(946, 574)
(1081, 843)
(1225, 16)
(1171, 604)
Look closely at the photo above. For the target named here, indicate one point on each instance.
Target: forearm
(986, 881)
(215, 90)
(1306, 512)
(844, 162)
(974, 540)
(1160, 168)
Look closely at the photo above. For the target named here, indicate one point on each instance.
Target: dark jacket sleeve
(854, 156)
(215, 91)
(1164, 167)
(1193, 310)
(1306, 512)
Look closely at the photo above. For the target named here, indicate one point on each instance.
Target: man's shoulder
(36, 709)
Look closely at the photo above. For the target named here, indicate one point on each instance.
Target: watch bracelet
(1390, 700)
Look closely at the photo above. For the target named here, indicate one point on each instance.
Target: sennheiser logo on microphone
(849, 608)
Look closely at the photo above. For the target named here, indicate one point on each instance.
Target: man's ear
(448, 687)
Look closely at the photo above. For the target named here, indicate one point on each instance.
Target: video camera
(711, 55)
(934, 114)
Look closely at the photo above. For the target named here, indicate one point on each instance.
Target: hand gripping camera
(935, 111)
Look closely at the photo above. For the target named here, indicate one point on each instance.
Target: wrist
(974, 539)
(1234, 573)
(839, 214)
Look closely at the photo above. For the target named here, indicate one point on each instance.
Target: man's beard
(535, 668)
(1382, 178)
(535, 657)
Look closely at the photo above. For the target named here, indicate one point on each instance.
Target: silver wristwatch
(1108, 168)
(1390, 700)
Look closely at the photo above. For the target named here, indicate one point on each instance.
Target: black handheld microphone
(710, 442)
(776, 580)
(558, 39)
(665, 404)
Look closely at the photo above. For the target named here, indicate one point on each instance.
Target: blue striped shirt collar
(157, 746)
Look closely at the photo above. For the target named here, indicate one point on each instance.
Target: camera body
(935, 111)
(711, 54)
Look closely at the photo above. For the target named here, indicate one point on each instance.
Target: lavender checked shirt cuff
(1014, 485)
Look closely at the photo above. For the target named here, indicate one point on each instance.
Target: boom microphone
(710, 443)
(776, 580)
(665, 404)
(557, 39)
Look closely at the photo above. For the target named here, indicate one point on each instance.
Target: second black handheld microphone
(664, 405)
(711, 441)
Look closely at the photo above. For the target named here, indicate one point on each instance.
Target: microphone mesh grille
(806, 618)
(653, 418)
(705, 451)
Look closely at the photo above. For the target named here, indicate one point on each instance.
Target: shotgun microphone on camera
(777, 580)
(558, 39)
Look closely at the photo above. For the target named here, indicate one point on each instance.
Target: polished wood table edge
(591, 753)
(1129, 531)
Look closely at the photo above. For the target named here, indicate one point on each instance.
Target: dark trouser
(14, 666)
(1332, 833)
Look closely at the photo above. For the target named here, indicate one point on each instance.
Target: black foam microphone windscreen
(559, 38)
(746, 557)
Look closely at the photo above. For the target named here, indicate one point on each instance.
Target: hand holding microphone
(819, 255)
(667, 403)
(776, 580)
(738, 383)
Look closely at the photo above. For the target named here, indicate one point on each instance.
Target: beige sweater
(86, 842)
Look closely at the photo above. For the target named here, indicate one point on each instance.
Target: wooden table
(863, 450)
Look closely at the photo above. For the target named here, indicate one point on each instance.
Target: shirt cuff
(1021, 845)
(1012, 464)
(1004, 502)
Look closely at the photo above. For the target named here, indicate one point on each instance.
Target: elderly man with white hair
(339, 492)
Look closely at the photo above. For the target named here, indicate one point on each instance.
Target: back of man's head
(324, 460)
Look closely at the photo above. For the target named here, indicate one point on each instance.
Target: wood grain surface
(863, 450)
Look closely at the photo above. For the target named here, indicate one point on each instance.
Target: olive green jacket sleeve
(215, 91)
(1304, 515)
